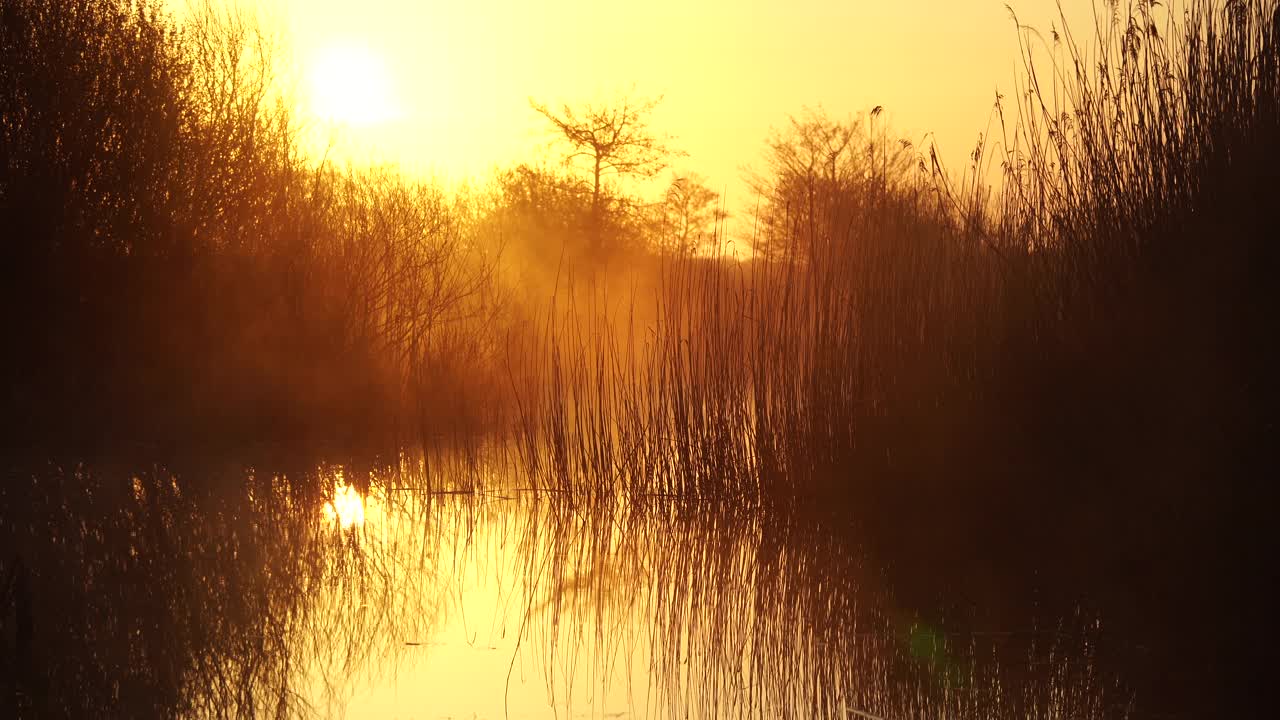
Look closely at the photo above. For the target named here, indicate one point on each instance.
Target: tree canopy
(613, 139)
(821, 171)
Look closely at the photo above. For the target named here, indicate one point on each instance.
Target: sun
(351, 84)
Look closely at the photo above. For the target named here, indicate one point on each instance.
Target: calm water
(326, 591)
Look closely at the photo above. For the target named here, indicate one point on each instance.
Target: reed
(899, 330)
(1081, 352)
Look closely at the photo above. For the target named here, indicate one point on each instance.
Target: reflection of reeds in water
(664, 610)
(156, 595)
(738, 614)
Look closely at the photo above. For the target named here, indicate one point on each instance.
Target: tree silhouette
(689, 209)
(613, 139)
(822, 172)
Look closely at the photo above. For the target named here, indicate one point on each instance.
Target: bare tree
(822, 172)
(690, 209)
(614, 139)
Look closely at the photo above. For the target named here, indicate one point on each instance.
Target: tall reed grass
(1069, 371)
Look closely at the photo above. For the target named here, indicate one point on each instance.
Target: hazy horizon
(443, 90)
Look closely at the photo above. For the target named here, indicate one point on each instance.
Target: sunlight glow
(346, 508)
(443, 89)
(351, 85)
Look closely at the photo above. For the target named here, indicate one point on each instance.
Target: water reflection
(347, 506)
(153, 593)
(317, 590)
(653, 608)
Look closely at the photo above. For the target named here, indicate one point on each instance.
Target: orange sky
(452, 99)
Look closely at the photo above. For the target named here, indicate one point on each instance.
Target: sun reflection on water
(347, 506)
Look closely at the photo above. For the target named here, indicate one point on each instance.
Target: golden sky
(442, 87)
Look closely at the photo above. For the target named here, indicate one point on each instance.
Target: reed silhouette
(1060, 387)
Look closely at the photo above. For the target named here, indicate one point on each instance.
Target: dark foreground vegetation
(1056, 393)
